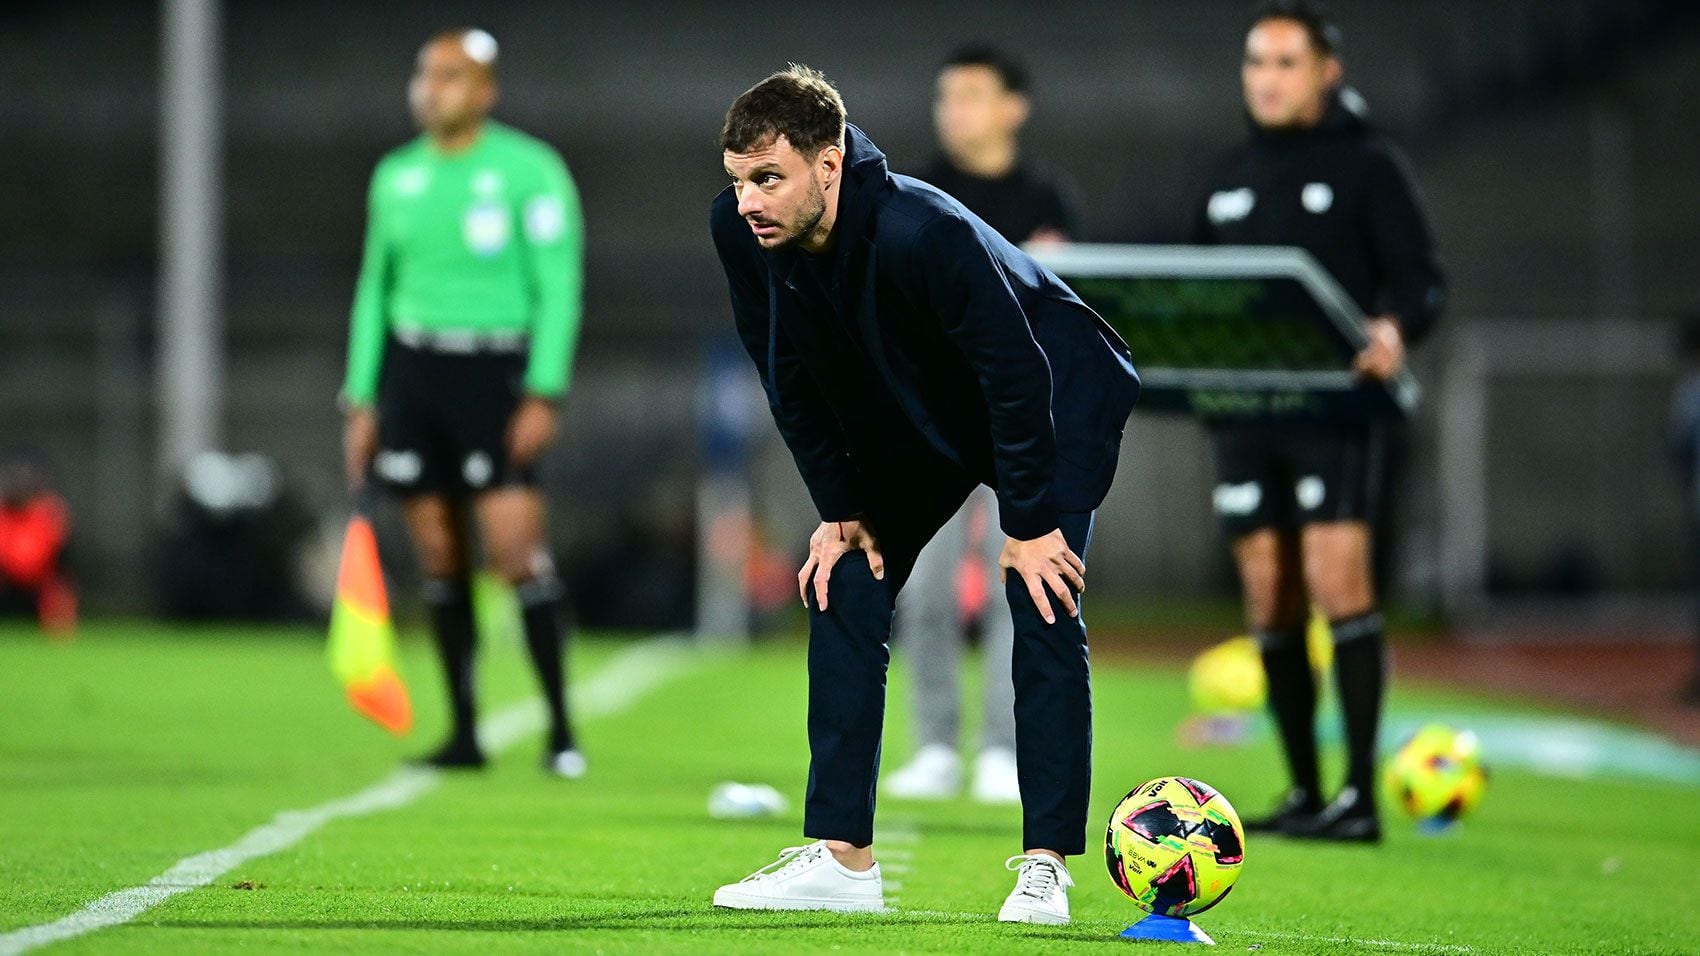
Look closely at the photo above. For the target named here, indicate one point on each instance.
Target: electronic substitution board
(1250, 332)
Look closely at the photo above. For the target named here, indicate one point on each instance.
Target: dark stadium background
(1557, 145)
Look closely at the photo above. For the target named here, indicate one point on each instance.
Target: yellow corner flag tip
(361, 649)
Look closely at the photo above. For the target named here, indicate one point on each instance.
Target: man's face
(449, 90)
(1286, 81)
(781, 193)
(971, 107)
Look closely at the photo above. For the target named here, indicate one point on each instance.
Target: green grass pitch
(135, 747)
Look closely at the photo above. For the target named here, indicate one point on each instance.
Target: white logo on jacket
(1317, 197)
(1231, 205)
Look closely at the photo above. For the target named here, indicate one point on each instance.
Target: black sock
(540, 600)
(1360, 675)
(1292, 702)
(450, 602)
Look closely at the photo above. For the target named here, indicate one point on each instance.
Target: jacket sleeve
(965, 286)
(1403, 247)
(810, 429)
(553, 225)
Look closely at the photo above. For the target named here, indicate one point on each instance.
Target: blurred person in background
(980, 104)
(35, 527)
(1299, 500)
(1685, 453)
(460, 348)
(979, 108)
(231, 543)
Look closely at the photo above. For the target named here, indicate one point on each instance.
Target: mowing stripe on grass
(963, 917)
(1354, 941)
(615, 687)
(899, 858)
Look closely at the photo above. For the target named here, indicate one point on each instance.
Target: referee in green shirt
(460, 347)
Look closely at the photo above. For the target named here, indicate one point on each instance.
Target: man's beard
(814, 209)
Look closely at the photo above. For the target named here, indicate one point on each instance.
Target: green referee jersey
(487, 240)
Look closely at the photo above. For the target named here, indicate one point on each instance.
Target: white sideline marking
(631, 674)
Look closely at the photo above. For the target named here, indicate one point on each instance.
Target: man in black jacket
(980, 105)
(1299, 500)
(909, 353)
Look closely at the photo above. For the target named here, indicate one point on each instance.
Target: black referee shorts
(1289, 475)
(443, 421)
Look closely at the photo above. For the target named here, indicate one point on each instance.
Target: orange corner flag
(361, 649)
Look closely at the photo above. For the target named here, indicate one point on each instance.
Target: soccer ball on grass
(1174, 846)
(1437, 776)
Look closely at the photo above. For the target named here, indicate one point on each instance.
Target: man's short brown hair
(798, 103)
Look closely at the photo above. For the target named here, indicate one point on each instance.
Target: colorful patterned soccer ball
(1175, 846)
(1437, 776)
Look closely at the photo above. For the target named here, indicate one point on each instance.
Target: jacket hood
(865, 174)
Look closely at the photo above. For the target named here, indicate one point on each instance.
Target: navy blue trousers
(849, 651)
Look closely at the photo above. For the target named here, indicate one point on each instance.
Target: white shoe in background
(806, 878)
(934, 773)
(995, 779)
(1040, 894)
(569, 764)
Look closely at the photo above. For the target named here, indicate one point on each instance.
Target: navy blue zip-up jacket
(929, 323)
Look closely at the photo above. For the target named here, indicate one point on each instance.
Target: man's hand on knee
(831, 541)
(1046, 562)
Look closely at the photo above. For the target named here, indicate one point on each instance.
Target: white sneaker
(995, 780)
(934, 773)
(1040, 894)
(806, 878)
(569, 764)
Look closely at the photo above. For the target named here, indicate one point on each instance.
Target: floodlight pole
(189, 355)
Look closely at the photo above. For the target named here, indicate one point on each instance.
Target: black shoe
(1351, 818)
(1297, 806)
(459, 753)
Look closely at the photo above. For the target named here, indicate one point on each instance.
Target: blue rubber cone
(1167, 929)
(1437, 827)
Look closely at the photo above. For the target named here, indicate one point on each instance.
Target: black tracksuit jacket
(1343, 193)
